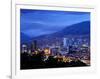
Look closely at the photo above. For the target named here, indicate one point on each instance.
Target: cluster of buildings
(65, 50)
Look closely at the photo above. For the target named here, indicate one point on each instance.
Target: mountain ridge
(83, 29)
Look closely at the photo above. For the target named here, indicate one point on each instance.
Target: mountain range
(79, 29)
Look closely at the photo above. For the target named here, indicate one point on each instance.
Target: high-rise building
(34, 45)
(64, 42)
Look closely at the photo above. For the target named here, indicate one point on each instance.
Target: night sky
(38, 22)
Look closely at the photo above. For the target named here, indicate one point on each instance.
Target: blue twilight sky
(38, 22)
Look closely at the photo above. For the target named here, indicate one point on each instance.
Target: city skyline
(53, 39)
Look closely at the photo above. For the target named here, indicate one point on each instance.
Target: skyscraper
(34, 45)
(64, 42)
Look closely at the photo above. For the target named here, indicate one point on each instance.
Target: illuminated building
(66, 59)
(24, 48)
(84, 48)
(47, 51)
(29, 51)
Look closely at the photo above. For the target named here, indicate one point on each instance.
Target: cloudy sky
(38, 22)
